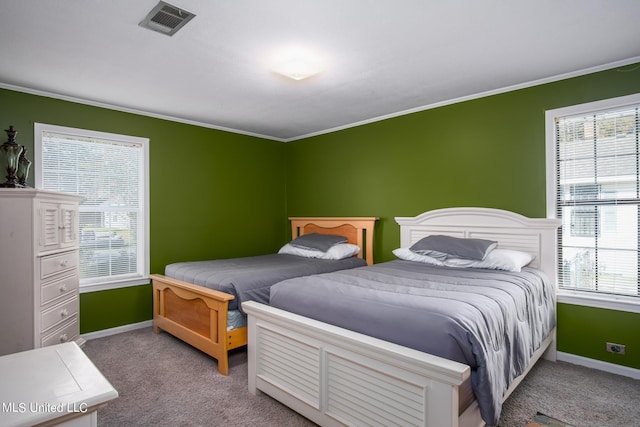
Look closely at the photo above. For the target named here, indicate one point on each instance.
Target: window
(593, 175)
(110, 172)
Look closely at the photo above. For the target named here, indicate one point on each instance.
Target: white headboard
(536, 236)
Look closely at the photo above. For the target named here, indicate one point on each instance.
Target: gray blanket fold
(491, 320)
(250, 278)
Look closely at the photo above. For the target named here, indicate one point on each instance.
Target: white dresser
(39, 259)
(56, 385)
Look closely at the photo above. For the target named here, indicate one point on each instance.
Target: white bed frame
(334, 376)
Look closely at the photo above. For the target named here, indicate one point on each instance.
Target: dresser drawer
(59, 288)
(67, 332)
(54, 264)
(59, 313)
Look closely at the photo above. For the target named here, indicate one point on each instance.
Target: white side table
(55, 385)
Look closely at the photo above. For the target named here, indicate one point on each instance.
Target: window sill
(94, 287)
(610, 302)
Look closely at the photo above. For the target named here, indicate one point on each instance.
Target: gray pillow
(317, 241)
(446, 247)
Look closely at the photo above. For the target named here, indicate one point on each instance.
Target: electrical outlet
(616, 348)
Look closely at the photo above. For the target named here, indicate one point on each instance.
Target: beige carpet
(578, 396)
(165, 382)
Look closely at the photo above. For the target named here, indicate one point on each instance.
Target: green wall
(584, 331)
(207, 186)
(211, 193)
(487, 152)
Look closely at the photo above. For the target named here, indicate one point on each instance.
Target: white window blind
(109, 171)
(597, 197)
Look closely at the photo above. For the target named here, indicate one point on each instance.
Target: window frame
(570, 296)
(143, 271)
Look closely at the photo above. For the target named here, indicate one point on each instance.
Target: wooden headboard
(536, 236)
(357, 230)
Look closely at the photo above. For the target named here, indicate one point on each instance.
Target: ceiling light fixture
(297, 69)
(297, 64)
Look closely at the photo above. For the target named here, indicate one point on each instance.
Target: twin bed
(200, 302)
(406, 342)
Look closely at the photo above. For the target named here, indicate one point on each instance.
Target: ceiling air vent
(166, 19)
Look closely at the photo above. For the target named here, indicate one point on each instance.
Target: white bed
(334, 376)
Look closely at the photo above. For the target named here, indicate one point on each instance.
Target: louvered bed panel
(358, 394)
(536, 236)
(337, 377)
(291, 365)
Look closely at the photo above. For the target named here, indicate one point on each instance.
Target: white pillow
(408, 255)
(497, 259)
(336, 252)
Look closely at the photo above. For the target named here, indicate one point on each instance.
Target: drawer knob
(64, 312)
(63, 288)
(63, 338)
(63, 263)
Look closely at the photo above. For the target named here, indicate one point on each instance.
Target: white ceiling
(380, 58)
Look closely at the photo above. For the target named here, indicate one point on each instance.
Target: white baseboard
(117, 330)
(599, 364)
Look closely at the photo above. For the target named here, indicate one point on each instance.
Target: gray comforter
(250, 278)
(491, 320)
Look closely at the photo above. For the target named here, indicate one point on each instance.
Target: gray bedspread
(491, 320)
(250, 278)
